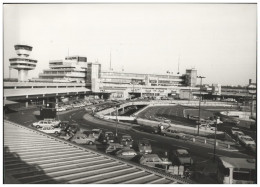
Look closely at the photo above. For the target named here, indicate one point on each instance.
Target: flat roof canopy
(8, 102)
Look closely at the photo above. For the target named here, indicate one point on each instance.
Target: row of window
(17, 47)
(18, 64)
(22, 59)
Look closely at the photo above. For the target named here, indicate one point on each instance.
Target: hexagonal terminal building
(22, 63)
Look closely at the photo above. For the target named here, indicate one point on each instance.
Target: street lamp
(116, 118)
(215, 142)
(200, 101)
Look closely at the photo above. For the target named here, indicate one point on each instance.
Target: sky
(219, 40)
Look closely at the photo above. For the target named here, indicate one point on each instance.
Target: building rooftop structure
(72, 69)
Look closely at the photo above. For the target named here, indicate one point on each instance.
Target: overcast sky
(219, 40)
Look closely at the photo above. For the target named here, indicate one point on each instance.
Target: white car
(53, 121)
(236, 132)
(50, 130)
(96, 133)
(246, 140)
(127, 154)
(42, 123)
(60, 109)
(207, 127)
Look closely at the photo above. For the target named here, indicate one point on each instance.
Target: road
(160, 144)
(176, 115)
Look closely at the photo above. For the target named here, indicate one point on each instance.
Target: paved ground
(176, 113)
(159, 143)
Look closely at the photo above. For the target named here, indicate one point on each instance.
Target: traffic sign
(251, 89)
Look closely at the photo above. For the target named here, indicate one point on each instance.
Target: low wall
(165, 103)
(179, 128)
(120, 118)
(240, 114)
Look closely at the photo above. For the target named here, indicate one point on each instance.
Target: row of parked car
(121, 147)
(243, 139)
(75, 104)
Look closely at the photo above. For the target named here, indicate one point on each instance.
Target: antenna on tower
(110, 61)
(178, 65)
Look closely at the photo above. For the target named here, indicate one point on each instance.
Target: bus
(236, 170)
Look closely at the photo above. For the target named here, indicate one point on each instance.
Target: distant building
(191, 77)
(216, 89)
(72, 69)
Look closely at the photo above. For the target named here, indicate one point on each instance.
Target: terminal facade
(75, 77)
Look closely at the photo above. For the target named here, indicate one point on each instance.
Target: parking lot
(160, 145)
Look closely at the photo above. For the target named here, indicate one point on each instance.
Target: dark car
(107, 137)
(181, 157)
(73, 128)
(64, 125)
(126, 140)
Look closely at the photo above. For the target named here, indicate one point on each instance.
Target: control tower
(22, 63)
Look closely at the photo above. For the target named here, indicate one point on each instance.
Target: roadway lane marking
(27, 121)
(181, 147)
(150, 139)
(215, 154)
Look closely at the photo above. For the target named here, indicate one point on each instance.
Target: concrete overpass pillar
(77, 97)
(26, 104)
(231, 175)
(57, 100)
(43, 101)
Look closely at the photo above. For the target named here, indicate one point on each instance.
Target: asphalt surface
(176, 115)
(201, 155)
(159, 143)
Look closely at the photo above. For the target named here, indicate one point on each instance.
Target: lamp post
(200, 101)
(215, 142)
(116, 118)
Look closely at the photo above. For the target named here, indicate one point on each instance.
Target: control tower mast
(22, 63)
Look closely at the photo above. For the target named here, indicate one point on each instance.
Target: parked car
(144, 147)
(107, 137)
(126, 140)
(64, 125)
(246, 140)
(83, 139)
(60, 109)
(68, 107)
(127, 154)
(53, 121)
(50, 130)
(42, 123)
(153, 160)
(73, 128)
(113, 147)
(96, 133)
(207, 127)
(181, 157)
(236, 132)
(173, 133)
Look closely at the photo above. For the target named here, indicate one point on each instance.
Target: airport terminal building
(74, 77)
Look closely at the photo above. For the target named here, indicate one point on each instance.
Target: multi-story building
(122, 85)
(72, 69)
